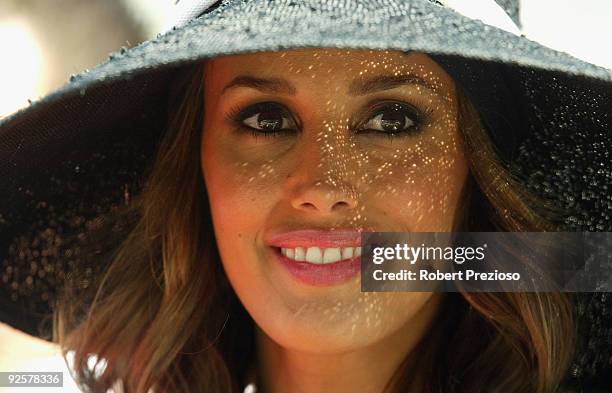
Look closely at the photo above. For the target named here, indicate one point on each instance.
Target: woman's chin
(319, 338)
(327, 326)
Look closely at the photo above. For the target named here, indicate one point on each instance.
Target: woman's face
(305, 148)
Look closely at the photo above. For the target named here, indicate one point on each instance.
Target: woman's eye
(268, 117)
(394, 118)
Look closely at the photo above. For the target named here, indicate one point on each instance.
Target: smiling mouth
(319, 255)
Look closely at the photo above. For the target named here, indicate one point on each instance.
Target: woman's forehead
(318, 64)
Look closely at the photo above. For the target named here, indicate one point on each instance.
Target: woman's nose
(321, 181)
(320, 196)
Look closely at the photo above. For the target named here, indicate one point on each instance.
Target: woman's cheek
(243, 190)
(418, 191)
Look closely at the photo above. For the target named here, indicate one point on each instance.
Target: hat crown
(187, 10)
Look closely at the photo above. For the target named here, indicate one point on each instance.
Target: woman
(236, 263)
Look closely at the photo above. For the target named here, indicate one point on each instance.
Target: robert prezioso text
(427, 275)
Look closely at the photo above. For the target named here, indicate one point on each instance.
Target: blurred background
(43, 42)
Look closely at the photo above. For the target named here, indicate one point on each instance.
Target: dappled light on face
(328, 139)
(349, 138)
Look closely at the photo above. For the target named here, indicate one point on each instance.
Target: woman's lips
(313, 273)
(316, 238)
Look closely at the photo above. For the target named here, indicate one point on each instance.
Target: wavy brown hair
(164, 316)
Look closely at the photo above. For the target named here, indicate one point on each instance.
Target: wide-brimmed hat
(72, 155)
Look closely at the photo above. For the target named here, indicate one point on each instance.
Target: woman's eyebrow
(357, 87)
(387, 82)
(265, 85)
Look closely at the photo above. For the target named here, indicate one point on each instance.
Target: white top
(118, 388)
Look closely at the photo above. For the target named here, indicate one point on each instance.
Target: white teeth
(321, 255)
(331, 255)
(314, 255)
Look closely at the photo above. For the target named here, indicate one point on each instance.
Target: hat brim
(121, 98)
